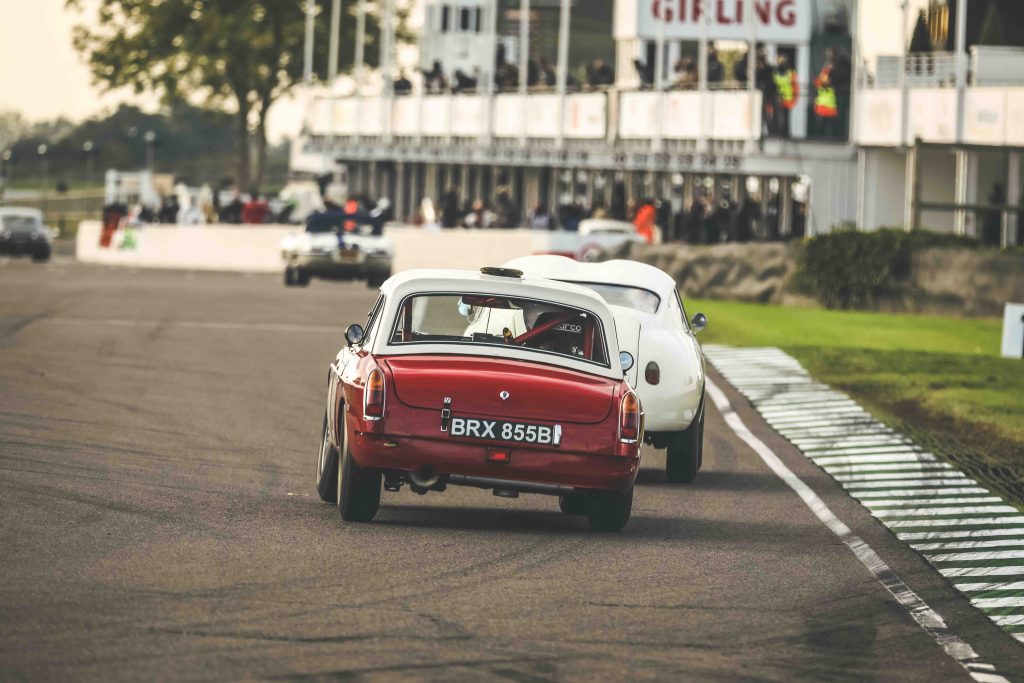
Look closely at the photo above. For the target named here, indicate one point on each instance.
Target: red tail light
(629, 419)
(652, 373)
(373, 395)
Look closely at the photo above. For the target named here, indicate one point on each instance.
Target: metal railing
(925, 70)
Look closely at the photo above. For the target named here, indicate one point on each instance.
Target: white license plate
(346, 255)
(505, 430)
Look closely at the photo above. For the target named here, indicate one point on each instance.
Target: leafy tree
(12, 127)
(234, 56)
(992, 32)
(921, 40)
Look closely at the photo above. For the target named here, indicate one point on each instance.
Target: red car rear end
(493, 388)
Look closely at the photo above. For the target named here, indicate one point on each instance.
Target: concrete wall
(210, 247)
(256, 248)
(755, 272)
(958, 282)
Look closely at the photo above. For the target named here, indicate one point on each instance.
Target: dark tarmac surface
(158, 438)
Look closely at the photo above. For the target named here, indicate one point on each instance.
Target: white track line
(968, 545)
(191, 324)
(925, 616)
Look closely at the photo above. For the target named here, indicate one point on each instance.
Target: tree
(921, 41)
(12, 127)
(992, 32)
(238, 57)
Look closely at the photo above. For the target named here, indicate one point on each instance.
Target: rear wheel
(327, 468)
(42, 254)
(573, 504)
(358, 488)
(610, 510)
(301, 277)
(376, 278)
(289, 277)
(685, 451)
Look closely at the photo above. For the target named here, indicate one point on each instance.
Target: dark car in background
(22, 233)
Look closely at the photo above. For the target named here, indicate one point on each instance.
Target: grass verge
(939, 380)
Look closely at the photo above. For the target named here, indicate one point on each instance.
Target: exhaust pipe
(425, 477)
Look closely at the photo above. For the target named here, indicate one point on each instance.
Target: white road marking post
(925, 616)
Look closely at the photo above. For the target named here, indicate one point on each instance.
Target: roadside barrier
(256, 248)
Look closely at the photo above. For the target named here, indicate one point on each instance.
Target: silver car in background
(22, 233)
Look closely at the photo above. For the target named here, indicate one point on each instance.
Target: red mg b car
(483, 379)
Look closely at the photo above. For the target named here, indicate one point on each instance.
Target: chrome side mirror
(354, 334)
(625, 360)
(699, 322)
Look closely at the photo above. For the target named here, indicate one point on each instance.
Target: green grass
(939, 379)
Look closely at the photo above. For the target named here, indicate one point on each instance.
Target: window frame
(599, 323)
(586, 283)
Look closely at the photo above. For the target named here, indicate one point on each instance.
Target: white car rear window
(629, 297)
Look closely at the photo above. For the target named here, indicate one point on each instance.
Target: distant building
(685, 129)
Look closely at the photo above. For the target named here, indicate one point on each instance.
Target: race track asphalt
(158, 436)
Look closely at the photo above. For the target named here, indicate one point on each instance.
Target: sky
(43, 76)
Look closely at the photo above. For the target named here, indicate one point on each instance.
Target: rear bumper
(324, 265)
(16, 247)
(554, 467)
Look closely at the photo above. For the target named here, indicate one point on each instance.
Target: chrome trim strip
(521, 486)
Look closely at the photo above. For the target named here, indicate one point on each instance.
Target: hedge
(848, 268)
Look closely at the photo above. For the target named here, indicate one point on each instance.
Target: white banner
(932, 115)
(586, 116)
(1015, 119)
(638, 114)
(985, 116)
(405, 116)
(435, 118)
(775, 21)
(542, 116)
(879, 118)
(468, 115)
(508, 116)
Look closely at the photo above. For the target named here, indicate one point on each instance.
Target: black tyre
(302, 277)
(327, 468)
(700, 452)
(685, 451)
(376, 279)
(358, 488)
(42, 255)
(573, 504)
(289, 277)
(609, 510)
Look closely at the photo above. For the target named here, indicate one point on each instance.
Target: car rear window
(500, 321)
(20, 224)
(628, 297)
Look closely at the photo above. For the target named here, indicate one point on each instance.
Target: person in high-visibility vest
(787, 89)
(826, 108)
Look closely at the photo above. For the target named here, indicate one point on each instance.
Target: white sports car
(651, 323)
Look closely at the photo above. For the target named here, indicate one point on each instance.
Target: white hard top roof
(21, 211)
(616, 272)
(425, 281)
